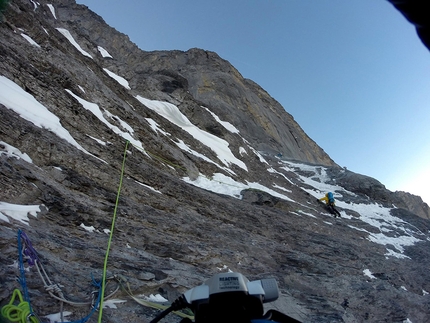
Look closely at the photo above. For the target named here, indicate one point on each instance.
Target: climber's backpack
(330, 197)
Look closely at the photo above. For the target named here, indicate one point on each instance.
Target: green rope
(18, 313)
(111, 234)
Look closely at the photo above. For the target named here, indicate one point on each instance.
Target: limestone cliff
(204, 172)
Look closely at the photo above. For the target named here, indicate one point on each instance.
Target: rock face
(415, 204)
(160, 118)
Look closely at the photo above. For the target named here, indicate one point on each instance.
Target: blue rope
(96, 305)
(22, 280)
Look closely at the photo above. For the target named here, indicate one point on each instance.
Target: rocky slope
(415, 204)
(187, 208)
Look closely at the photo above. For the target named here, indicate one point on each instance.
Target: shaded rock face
(415, 204)
(169, 235)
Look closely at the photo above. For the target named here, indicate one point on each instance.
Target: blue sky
(353, 74)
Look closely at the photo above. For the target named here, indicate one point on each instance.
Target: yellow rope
(146, 303)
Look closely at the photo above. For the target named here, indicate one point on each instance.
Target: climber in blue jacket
(329, 201)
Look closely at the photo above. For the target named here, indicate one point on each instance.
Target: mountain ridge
(217, 176)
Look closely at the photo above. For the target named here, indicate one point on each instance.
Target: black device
(230, 298)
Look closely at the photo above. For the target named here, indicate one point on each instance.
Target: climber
(329, 201)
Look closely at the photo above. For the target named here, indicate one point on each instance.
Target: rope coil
(18, 313)
(23, 312)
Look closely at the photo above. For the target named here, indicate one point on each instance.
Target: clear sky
(353, 74)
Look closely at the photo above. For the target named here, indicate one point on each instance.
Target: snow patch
(225, 124)
(52, 9)
(70, 38)
(110, 303)
(23, 103)
(186, 148)
(118, 78)
(104, 52)
(222, 184)
(18, 212)
(94, 108)
(87, 228)
(175, 116)
(242, 151)
(156, 127)
(11, 151)
(30, 40)
(149, 187)
(34, 4)
(154, 298)
(54, 318)
(368, 273)
(101, 142)
(373, 214)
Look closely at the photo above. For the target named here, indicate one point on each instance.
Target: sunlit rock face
(204, 171)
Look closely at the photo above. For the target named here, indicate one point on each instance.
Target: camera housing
(231, 297)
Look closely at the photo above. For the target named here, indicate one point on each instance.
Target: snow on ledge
(70, 38)
(11, 151)
(18, 212)
(368, 273)
(51, 7)
(104, 52)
